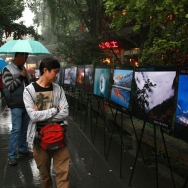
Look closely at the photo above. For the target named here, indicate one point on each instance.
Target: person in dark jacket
(15, 78)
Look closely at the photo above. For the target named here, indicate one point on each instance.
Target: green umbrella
(28, 46)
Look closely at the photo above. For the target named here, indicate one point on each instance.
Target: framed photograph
(181, 117)
(121, 87)
(88, 78)
(70, 75)
(80, 77)
(67, 76)
(101, 82)
(153, 95)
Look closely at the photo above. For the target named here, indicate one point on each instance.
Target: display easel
(185, 183)
(78, 101)
(72, 101)
(156, 157)
(99, 110)
(67, 92)
(122, 111)
(82, 102)
(66, 89)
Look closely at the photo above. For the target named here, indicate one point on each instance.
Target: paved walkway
(88, 168)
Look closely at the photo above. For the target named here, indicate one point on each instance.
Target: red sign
(112, 44)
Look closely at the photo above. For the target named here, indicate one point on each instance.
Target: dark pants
(1, 91)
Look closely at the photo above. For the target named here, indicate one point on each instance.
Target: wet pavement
(89, 167)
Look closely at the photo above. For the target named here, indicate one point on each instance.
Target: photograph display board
(181, 118)
(153, 95)
(80, 77)
(101, 82)
(88, 78)
(121, 88)
(70, 75)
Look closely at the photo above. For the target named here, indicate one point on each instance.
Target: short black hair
(49, 63)
(21, 53)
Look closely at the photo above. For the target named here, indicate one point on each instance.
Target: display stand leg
(104, 119)
(185, 183)
(136, 135)
(121, 135)
(77, 105)
(137, 152)
(87, 109)
(121, 144)
(96, 121)
(167, 156)
(104, 128)
(114, 116)
(156, 157)
(74, 101)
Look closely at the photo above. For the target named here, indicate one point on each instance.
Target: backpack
(52, 136)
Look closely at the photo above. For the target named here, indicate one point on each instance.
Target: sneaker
(12, 161)
(27, 154)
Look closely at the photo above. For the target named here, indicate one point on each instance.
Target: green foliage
(81, 51)
(63, 27)
(10, 11)
(162, 26)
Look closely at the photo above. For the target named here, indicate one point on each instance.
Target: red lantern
(69, 59)
(171, 17)
(82, 27)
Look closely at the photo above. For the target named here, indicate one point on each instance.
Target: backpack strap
(30, 95)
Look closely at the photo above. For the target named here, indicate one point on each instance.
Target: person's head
(49, 67)
(20, 58)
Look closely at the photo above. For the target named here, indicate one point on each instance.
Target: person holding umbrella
(15, 78)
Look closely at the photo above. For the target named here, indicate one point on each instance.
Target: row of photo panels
(153, 94)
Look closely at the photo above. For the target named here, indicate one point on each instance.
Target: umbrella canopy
(3, 63)
(28, 46)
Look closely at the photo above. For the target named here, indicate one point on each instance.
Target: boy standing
(46, 104)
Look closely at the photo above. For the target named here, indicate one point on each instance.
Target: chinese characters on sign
(112, 44)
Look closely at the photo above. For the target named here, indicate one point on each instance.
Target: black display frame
(138, 111)
(78, 85)
(180, 128)
(75, 75)
(119, 106)
(100, 80)
(88, 88)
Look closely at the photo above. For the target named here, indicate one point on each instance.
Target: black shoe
(27, 154)
(12, 161)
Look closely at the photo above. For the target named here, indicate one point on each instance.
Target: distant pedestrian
(15, 78)
(47, 106)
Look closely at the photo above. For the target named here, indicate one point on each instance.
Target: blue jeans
(20, 121)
